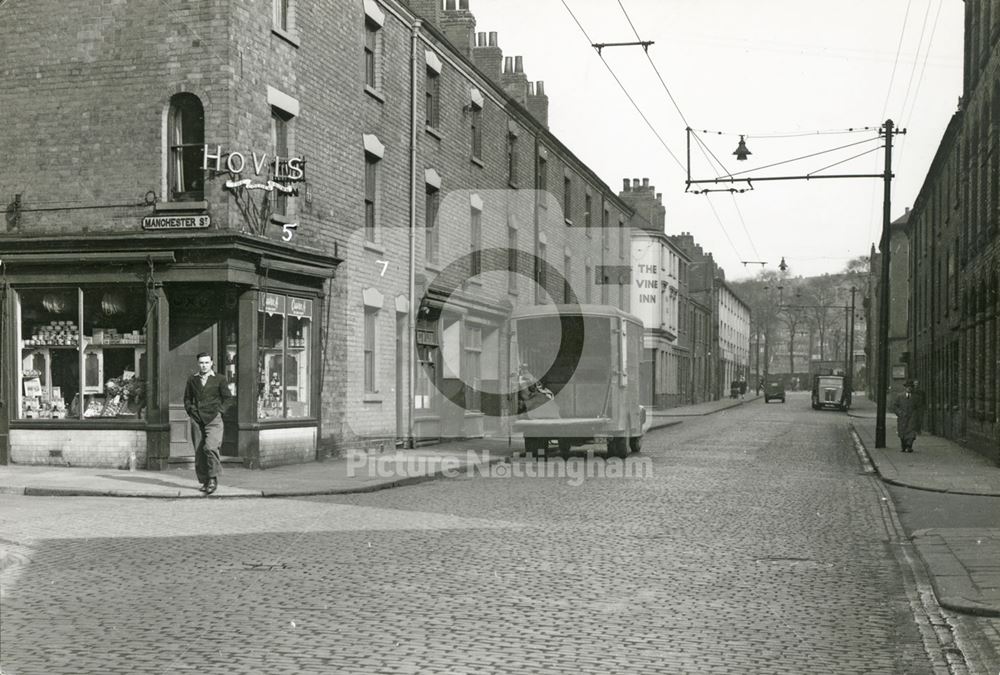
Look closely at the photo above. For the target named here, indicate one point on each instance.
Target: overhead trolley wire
(789, 134)
(899, 46)
(923, 66)
(796, 159)
(702, 145)
(913, 70)
(625, 91)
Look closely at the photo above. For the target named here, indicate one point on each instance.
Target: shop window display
(83, 352)
(284, 339)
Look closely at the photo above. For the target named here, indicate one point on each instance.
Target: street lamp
(741, 150)
(887, 130)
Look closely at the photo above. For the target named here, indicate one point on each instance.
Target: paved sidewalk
(357, 473)
(964, 564)
(667, 416)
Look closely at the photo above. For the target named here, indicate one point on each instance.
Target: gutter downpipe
(410, 320)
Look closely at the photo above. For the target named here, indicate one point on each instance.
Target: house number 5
(288, 229)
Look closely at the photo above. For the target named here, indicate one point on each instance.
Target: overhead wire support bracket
(643, 43)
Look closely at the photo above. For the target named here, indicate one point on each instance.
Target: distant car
(774, 389)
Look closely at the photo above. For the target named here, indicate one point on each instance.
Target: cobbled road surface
(753, 544)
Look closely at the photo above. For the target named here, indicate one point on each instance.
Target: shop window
(284, 342)
(186, 138)
(83, 353)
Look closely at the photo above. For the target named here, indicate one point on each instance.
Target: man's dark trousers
(207, 463)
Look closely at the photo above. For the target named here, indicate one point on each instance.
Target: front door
(189, 336)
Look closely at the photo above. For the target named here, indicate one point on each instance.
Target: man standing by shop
(206, 397)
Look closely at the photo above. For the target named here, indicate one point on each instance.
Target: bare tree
(793, 317)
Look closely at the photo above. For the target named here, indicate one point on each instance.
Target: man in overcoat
(905, 420)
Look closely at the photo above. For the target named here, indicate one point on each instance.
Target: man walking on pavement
(206, 397)
(904, 407)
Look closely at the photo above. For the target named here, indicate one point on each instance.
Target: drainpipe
(411, 328)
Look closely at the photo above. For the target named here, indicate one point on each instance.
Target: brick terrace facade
(402, 114)
(955, 253)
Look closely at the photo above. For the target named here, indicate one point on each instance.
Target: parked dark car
(774, 389)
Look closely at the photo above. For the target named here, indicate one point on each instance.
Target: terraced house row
(340, 200)
(953, 233)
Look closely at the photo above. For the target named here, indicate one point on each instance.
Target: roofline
(525, 117)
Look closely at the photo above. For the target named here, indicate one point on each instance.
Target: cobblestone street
(756, 545)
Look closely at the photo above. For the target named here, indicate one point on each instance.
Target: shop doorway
(189, 336)
(199, 316)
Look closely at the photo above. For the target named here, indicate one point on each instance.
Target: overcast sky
(764, 68)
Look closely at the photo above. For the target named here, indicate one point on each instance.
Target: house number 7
(385, 266)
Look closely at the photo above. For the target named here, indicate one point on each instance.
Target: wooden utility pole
(884, 294)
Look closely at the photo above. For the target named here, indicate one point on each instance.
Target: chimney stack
(538, 103)
(459, 26)
(428, 10)
(513, 80)
(487, 55)
(647, 206)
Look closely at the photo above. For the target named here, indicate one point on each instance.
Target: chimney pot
(493, 38)
(626, 185)
(463, 4)
(540, 88)
(508, 64)
(531, 89)
(480, 39)
(518, 64)
(635, 183)
(645, 182)
(449, 5)
(659, 197)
